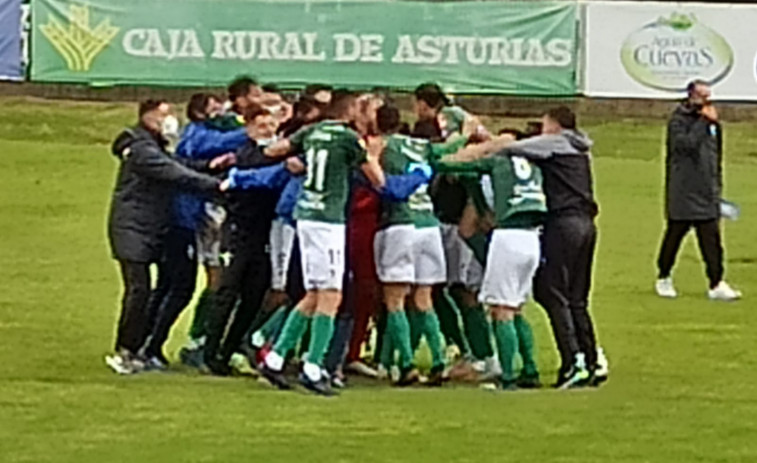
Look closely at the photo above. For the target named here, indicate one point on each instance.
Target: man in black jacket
(563, 282)
(139, 219)
(694, 179)
(247, 275)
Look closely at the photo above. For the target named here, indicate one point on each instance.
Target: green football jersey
(331, 150)
(451, 120)
(400, 153)
(519, 200)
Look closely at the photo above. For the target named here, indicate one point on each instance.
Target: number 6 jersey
(519, 200)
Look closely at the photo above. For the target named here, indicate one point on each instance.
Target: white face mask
(267, 141)
(170, 127)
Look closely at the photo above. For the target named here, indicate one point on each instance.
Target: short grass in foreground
(683, 372)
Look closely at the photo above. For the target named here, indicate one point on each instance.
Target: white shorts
(281, 241)
(322, 254)
(511, 265)
(209, 235)
(456, 253)
(405, 254)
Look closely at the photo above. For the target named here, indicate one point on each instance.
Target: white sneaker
(479, 366)
(492, 369)
(603, 365)
(723, 292)
(362, 369)
(665, 288)
(121, 364)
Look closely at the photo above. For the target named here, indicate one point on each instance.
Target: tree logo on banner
(670, 52)
(78, 42)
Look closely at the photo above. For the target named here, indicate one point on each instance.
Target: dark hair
(533, 128)
(564, 116)
(431, 94)
(306, 104)
(427, 129)
(254, 111)
(312, 89)
(692, 86)
(149, 105)
(388, 119)
(196, 106)
(519, 135)
(340, 101)
(240, 87)
(270, 88)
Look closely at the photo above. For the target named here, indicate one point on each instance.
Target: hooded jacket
(693, 166)
(140, 211)
(565, 162)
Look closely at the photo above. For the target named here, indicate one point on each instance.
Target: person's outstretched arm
(149, 161)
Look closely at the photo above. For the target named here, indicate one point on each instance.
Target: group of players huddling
(460, 230)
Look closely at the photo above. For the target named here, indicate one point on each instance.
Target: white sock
(257, 340)
(312, 371)
(274, 361)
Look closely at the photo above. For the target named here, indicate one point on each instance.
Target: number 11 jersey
(331, 151)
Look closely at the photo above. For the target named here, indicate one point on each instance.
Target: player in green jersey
(453, 197)
(331, 151)
(409, 254)
(513, 257)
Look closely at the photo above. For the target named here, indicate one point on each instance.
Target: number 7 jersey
(331, 151)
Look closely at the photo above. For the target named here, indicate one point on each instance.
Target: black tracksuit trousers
(563, 283)
(134, 319)
(246, 278)
(710, 245)
(177, 278)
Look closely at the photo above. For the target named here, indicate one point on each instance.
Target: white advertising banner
(652, 50)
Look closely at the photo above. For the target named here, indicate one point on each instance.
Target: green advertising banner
(526, 48)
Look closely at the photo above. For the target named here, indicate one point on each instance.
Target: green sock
(399, 330)
(320, 337)
(415, 321)
(294, 328)
(270, 327)
(433, 336)
(449, 320)
(526, 346)
(387, 349)
(197, 329)
(478, 332)
(507, 345)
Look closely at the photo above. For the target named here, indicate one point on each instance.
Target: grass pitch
(682, 386)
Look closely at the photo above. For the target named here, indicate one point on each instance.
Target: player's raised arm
(480, 150)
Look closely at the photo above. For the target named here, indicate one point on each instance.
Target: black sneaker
(573, 378)
(408, 377)
(597, 378)
(217, 368)
(320, 387)
(191, 357)
(508, 386)
(276, 378)
(437, 378)
(528, 382)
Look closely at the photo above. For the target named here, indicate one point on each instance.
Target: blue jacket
(398, 188)
(275, 177)
(200, 141)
